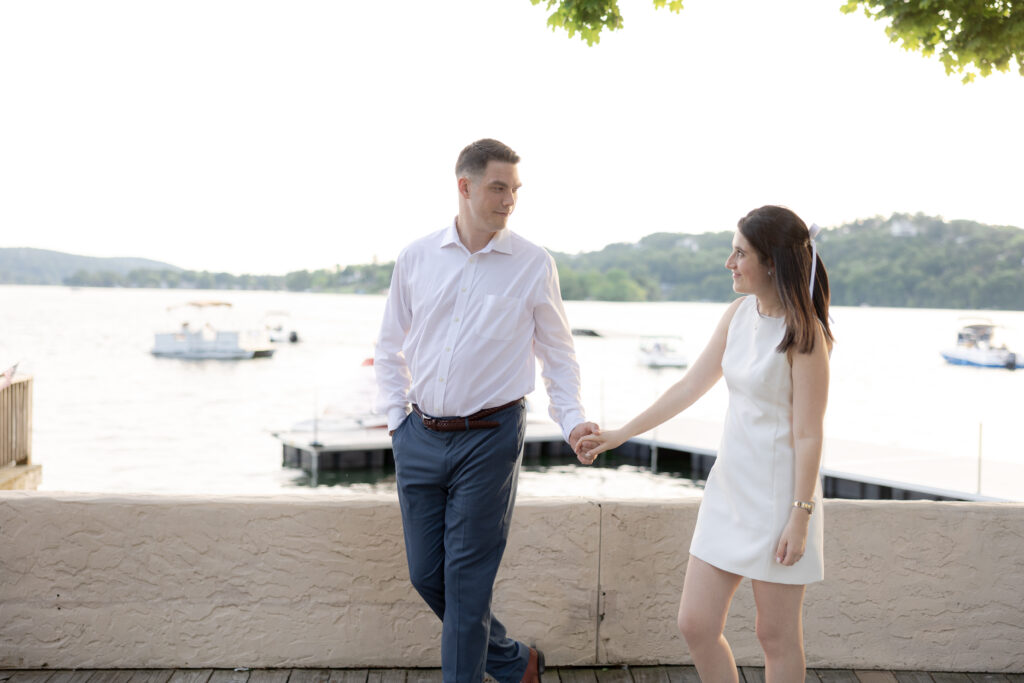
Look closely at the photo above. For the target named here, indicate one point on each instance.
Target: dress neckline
(757, 309)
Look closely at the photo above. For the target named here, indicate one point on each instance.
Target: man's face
(492, 197)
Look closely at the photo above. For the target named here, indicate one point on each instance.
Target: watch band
(804, 505)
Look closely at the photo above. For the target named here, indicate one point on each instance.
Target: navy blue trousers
(456, 491)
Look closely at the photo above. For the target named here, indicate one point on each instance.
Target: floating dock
(370, 449)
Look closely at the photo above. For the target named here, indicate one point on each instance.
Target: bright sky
(263, 137)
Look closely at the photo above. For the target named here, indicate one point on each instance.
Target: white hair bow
(814, 230)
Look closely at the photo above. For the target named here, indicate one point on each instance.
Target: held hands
(592, 445)
(584, 429)
(794, 538)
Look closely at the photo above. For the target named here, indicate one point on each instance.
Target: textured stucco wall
(148, 581)
(908, 585)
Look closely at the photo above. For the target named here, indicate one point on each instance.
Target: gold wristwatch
(804, 505)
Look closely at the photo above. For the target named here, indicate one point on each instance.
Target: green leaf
(970, 37)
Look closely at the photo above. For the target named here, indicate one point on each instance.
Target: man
(469, 309)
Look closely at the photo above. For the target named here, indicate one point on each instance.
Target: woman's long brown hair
(783, 243)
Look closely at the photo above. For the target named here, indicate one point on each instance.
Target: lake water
(110, 417)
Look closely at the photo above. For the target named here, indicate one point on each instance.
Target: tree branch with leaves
(971, 37)
(590, 17)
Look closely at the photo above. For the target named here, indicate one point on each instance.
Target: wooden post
(979, 457)
(16, 422)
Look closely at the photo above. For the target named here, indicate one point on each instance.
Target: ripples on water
(612, 478)
(110, 417)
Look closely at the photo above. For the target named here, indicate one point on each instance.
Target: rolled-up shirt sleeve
(553, 346)
(393, 377)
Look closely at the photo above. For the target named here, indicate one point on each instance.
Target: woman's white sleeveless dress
(749, 493)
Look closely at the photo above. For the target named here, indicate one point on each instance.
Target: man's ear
(464, 187)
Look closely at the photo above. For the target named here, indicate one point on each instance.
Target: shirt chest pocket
(501, 317)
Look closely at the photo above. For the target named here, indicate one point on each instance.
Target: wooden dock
(618, 674)
(370, 450)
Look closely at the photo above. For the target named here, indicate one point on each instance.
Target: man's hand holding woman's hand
(592, 445)
(581, 430)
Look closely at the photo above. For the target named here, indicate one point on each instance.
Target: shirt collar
(501, 242)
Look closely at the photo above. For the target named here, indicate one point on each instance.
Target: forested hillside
(916, 261)
(25, 266)
(905, 260)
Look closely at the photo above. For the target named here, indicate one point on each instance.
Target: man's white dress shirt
(461, 331)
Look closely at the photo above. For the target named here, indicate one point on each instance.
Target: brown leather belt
(463, 424)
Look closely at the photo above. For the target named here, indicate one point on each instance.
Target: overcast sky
(263, 137)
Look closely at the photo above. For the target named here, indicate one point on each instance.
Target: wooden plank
(191, 676)
(70, 676)
(386, 676)
(649, 674)
(618, 674)
(865, 676)
(229, 676)
(268, 676)
(111, 676)
(575, 675)
(836, 676)
(752, 674)
(347, 676)
(913, 676)
(682, 674)
(29, 676)
(424, 676)
(151, 676)
(309, 676)
(642, 674)
(950, 677)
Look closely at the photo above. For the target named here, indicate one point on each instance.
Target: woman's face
(749, 275)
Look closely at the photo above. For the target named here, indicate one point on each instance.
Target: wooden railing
(16, 422)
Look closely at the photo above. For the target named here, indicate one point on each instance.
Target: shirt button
(456, 320)
(447, 348)
(440, 379)
(463, 289)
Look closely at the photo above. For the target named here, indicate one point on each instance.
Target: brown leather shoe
(534, 667)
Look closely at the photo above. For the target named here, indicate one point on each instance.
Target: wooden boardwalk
(618, 674)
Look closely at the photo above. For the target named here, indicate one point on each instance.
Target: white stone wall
(95, 581)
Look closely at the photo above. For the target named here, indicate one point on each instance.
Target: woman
(761, 512)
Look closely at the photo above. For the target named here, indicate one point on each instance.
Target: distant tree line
(359, 279)
(924, 262)
(915, 261)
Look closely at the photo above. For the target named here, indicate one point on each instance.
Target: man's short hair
(473, 159)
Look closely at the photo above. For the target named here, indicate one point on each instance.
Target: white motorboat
(202, 341)
(975, 346)
(661, 352)
(276, 323)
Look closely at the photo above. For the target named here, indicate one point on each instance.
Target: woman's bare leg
(780, 630)
(703, 608)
